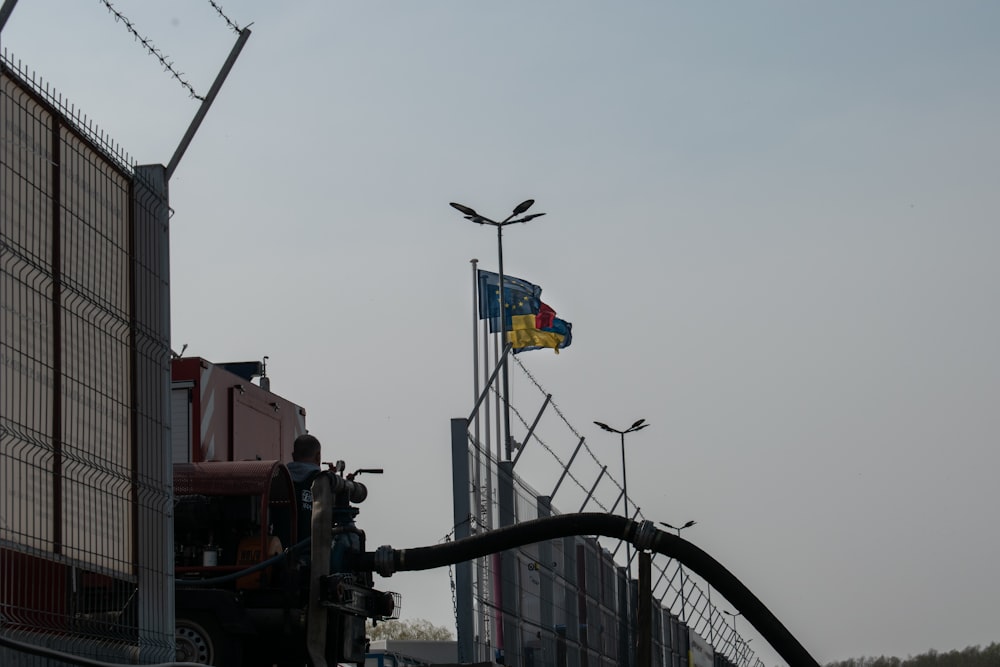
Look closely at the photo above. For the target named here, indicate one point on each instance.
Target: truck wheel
(201, 640)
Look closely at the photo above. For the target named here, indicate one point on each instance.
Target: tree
(973, 656)
(418, 628)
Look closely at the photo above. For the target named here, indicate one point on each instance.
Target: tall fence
(569, 601)
(85, 502)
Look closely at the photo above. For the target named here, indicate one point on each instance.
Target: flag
(530, 324)
(520, 298)
(542, 330)
(545, 316)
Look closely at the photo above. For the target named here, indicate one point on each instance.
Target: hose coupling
(385, 561)
(645, 534)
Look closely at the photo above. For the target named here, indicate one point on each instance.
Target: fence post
(508, 567)
(461, 493)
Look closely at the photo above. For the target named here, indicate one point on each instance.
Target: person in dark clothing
(304, 467)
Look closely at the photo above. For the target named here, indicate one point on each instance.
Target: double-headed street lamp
(471, 214)
(687, 524)
(637, 426)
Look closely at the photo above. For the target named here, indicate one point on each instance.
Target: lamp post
(687, 524)
(637, 426)
(471, 215)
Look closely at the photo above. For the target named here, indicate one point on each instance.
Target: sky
(773, 226)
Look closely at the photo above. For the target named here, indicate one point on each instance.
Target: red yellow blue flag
(530, 324)
(542, 330)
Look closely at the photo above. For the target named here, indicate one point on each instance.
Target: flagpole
(496, 558)
(486, 583)
(503, 348)
(477, 475)
(475, 384)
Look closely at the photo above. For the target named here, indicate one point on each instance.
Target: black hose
(263, 565)
(52, 654)
(642, 535)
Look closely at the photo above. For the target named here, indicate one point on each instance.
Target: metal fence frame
(85, 508)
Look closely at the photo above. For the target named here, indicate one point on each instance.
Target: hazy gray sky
(773, 226)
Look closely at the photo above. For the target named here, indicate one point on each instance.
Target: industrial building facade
(85, 500)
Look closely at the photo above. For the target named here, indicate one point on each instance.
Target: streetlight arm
(467, 210)
(687, 524)
(525, 218)
(523, 206)
(518, 210)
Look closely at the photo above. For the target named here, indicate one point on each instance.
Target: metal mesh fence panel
(84, 353)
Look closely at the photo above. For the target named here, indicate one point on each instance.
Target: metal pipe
(593, 488)
(628, 547)
(5, 12)
(531, 431)
(489, 383)
(505, 380)
(207, 103)
(566, 469)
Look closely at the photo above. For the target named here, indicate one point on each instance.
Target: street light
(637, 426)
(471, 215)
(688, 524)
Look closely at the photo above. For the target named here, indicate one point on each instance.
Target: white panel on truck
(180, 421)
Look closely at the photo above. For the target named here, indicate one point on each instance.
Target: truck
(250, 590)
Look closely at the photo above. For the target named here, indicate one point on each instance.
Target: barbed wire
(151, 48)
(225, 18)
(556, 457)
(555, 406)
(638, 510)
(559, 412)
(470, 519)
(549, 449)
(661, 567)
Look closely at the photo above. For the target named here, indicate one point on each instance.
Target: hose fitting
(645, 534)
(385, 564)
